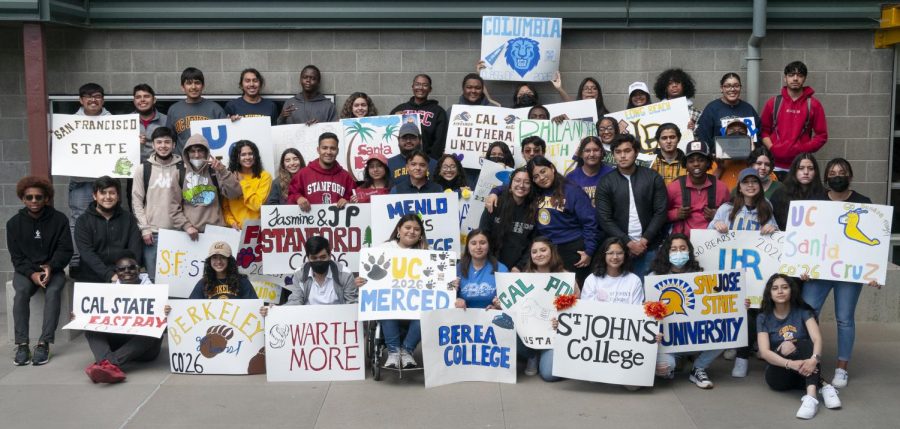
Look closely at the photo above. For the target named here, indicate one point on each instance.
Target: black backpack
(686, 196)
(806, 129)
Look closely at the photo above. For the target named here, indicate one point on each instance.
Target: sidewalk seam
(322, 405)
(144, 402)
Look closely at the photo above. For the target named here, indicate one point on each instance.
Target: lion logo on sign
(522, 55)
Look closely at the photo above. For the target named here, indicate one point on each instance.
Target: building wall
(853, 80)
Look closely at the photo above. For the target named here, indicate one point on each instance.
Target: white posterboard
(439, 214)
(758, 255)
(120, 309)
(95, 146)
(404, 283)
(517, 48)
(180, 260)
(642, 122)
(473, 128)
(223, 133)
(529, 298)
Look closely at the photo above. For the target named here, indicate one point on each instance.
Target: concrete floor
(59, 395)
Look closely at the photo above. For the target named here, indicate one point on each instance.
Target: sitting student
(612, 279)
(477, 266)
(244, 162)
(544, 259)
(112, 351)
(323, 181)
(221, 279)
(694, 199)
(40, 246)
(417, 181)
(103, 231)
(676, 256)
(329, 284)
(790, 341)
(376, 180)
(512, 223)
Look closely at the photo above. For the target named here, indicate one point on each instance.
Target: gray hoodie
(201, 200)
(318, 107)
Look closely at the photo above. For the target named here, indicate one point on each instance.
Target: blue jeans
(703, 361)
(150, 257)
(640, 266)
(846, 295)
(80, 196)
(391, 330)
(545, 364)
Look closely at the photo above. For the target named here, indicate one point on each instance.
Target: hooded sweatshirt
(200, 199)
(790, 139)
(182, 113)
(32, 242)
(162, 209)
(318, 107)
(321, 185)
(575, 220)
(100, 240)
(433, 120)
(254, 191)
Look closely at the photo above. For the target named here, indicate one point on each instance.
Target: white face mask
(197, 163)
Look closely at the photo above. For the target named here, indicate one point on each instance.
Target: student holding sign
(323, 181)
(245, 163)
(790, 341)
(111, 351)
(838, 175)
(728, 106)
(477, 266)
(512, 223)
(589, 89)
(612, 279)
(676, 256)
(544, 259)
(221, 279)
(206, 181)
(803, 182)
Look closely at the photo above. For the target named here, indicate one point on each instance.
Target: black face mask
(838, 183)
(526, 100)
(497, 159)
(319, 267)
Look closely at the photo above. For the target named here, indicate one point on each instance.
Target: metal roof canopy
(451, 14)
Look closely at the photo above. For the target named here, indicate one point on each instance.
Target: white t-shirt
(624, 289)
(635, 230)
(322, 294)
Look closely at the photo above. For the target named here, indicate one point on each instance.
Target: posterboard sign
(249, 262)
(607, 343)
(582, 110)
(304, 138)
(286, 228)
(529, 299)
(562, 139)
(314, 343)
(368, 136)
(642, 122)
(470, 210)
(460, 345)
(749, 121)
(758, 255)
(95, 146)
(520, 48)
(837, 241)
(473, 128)
(704, 311)
(180, 260)
(120, 309)
(223, 133)
(439, 214)
(404, 283)
(216, 336)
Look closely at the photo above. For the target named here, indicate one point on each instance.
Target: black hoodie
(32, 242)
(100, 240)
(433, 120)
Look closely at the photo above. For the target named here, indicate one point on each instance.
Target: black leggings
(781, 378)
(569, 254)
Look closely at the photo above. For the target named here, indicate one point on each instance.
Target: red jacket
(789, 139)
(699, 200)
(321, 186)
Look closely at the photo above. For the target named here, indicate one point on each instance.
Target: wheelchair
(376, 351)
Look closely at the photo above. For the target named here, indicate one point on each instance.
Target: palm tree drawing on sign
(389, 133)
(353, 130)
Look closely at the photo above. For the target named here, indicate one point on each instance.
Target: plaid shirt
(669, 170)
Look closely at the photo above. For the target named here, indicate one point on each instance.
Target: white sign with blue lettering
(439, 214)
(758, 255)
(222, 133)
(517, 48)
(404, 283)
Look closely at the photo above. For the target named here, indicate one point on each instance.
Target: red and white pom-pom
(655, 309)
(563, 302)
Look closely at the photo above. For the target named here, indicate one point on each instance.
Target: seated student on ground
(790, 341)
(476, 285)
(693, 199)
(221, 279)
(544, 259)
(612, 279)
(512, 223)
(417, 181)
(376, 180)
(291, 163)
(103, 231)
(245, 163)
(676, 256)
(112, 351)
(408, 234)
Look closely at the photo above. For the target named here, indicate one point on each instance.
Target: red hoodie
(320, 185)
(789, 139)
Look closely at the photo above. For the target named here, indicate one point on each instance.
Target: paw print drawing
(257, 363)
(430, 284)
(215, 341)
(427, 272)
(376, 269)
(245, 257)
(441, 266)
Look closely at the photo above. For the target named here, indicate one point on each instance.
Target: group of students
(610, 220)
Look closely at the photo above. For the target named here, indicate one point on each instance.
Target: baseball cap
(748, 172)
(379, 157)
(694, 147)
(409, 128)
(638, 86)
(220, 248)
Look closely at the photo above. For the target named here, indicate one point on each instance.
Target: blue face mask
(678, 259)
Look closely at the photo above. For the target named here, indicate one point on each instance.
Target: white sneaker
(729, 354)
(809, 406)
(393, 360)
(830, 395)
(699, 377)
(407, 359)
(531, 367)
(740, 368)
(840, 378)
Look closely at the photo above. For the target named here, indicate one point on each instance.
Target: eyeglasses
(421, 85)
(33, 197)
(602, 129)
(95, 97)
(731, 87)
(124, 268)
(448, 167)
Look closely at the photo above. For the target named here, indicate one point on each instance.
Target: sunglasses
(33, 197)
(124, 268)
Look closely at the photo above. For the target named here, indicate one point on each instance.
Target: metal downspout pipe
(754, 56)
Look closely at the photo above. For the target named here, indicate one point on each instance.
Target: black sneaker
(23, 355)
(41, 354)
(699, 377)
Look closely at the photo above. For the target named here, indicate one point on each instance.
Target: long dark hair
(232, 277)
(797, 191)
(600, 267)
(601, 107)
(558, 194)
(466, 259)
(508, 159)
(556, 262)
(516, 95)
(662, 266)
(615, 125)
(369, 182)
(768, 305)
(395, 236)
(584, 142)
(506, 208)
(284, 176)
(763, 208)
(234, 157)
(843, 163)
(457, 182)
